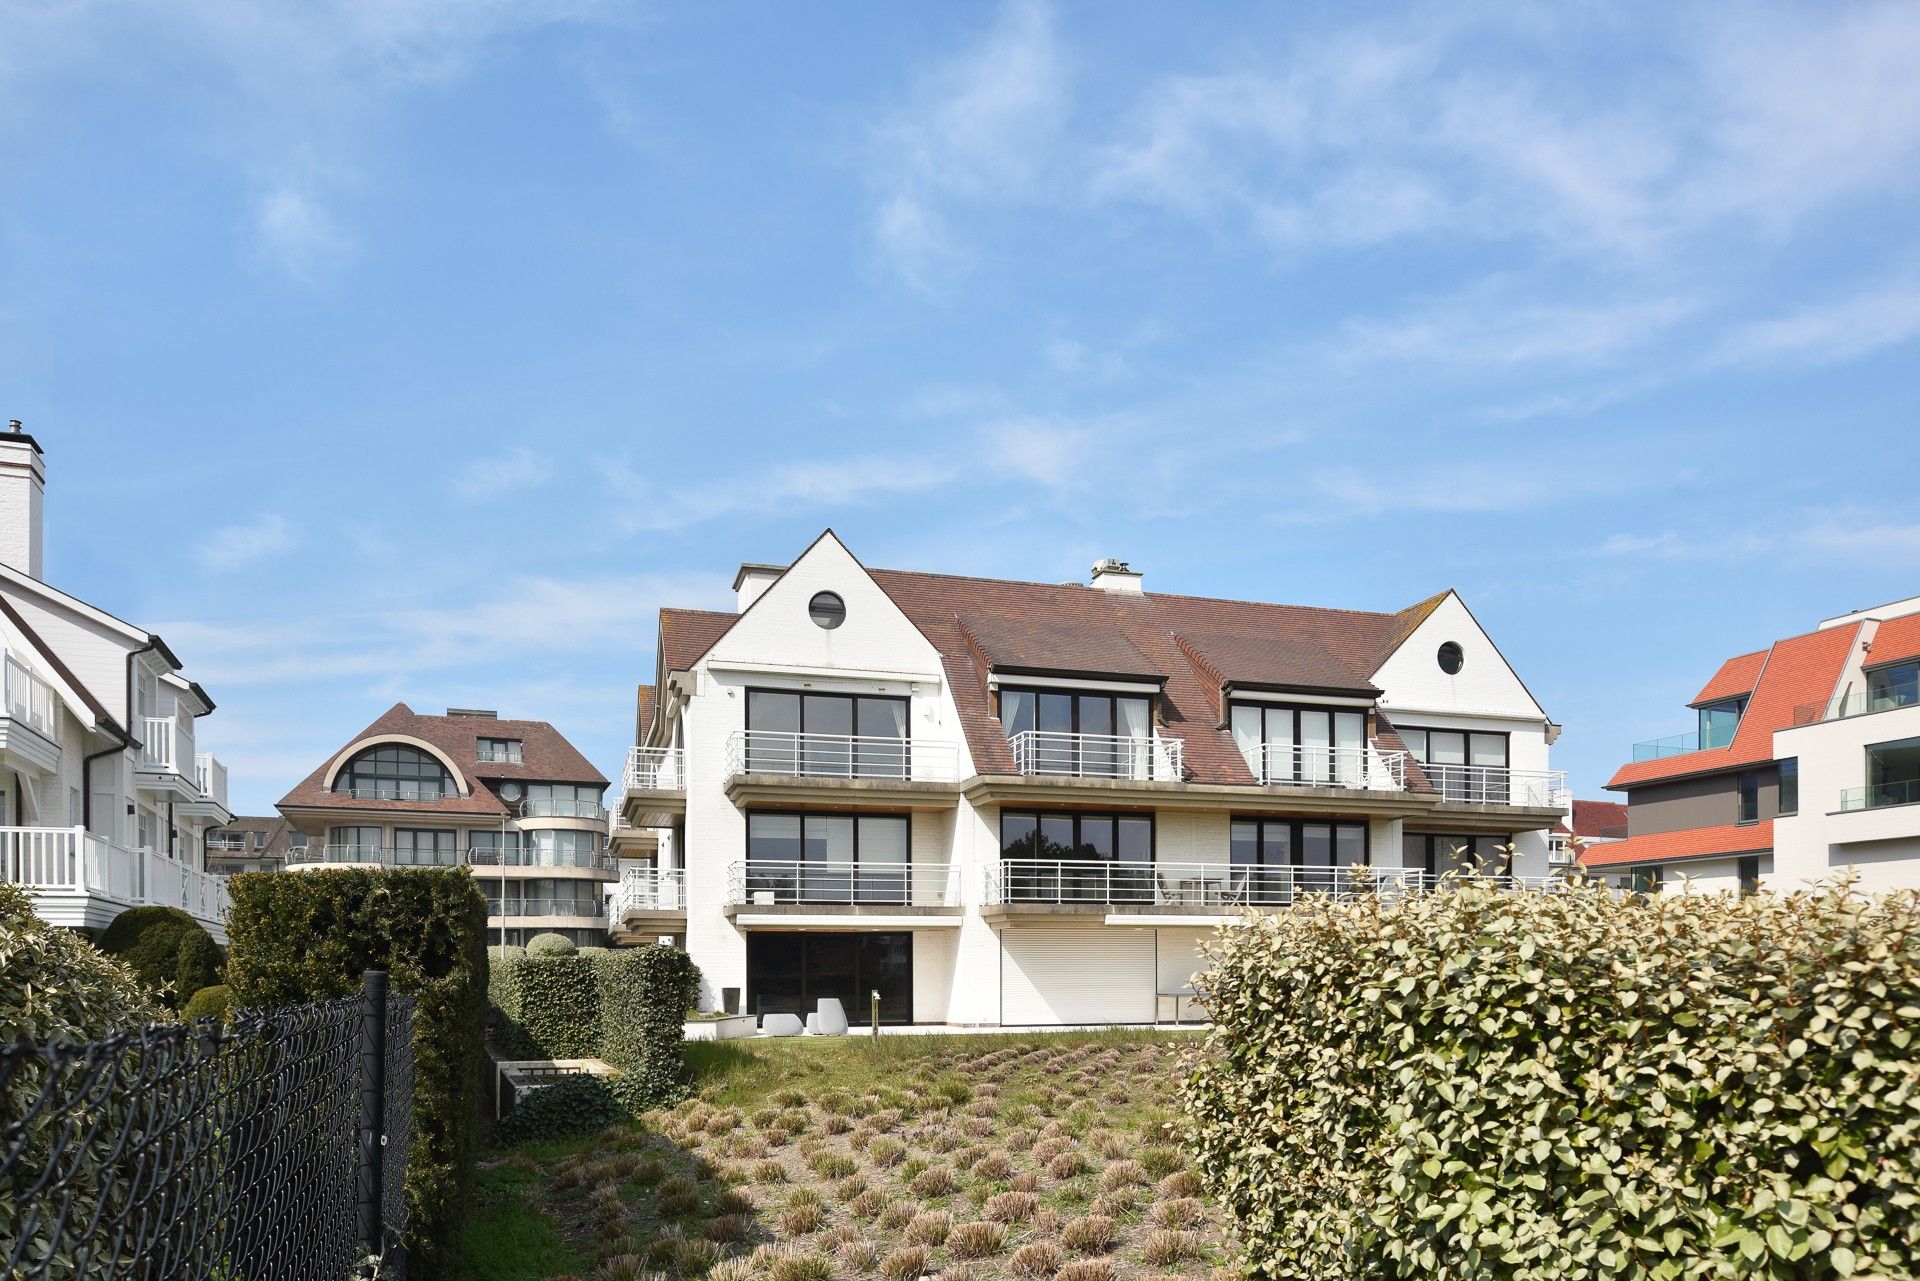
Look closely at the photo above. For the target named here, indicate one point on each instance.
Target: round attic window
(1452, 658)
(827, 610)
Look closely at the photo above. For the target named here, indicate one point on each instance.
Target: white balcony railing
(29, 698)
(760, 751)
(545, 807)
(210, 773)
(73, 862)
(650, 889)
(1211, 885)
(760, 883)
(1297, 765)
(656, 769)
(1097, 755)
(1498, 785)
(576, 907)
(157, 735)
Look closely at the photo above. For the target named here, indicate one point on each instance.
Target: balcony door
(425, 846)
(1313, 746)
(1274, 859)
(1462, 765)
(827, 735)
(828, 858)
(1091, 858)
(789, 973)
(1084, 735)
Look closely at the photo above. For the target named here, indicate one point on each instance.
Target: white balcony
(545, 909)
(81, 880)
(1359, 768)
(157, 743)
(1498, 785)
(762, 883)
(650, 891)
(1115, 756)
(547, 808)
(656, 769)
(1212, 886)
(210, 773)
(791, 755)
(29, 699)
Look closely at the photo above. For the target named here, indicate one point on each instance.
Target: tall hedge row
(311, 935)
(545, 1007)
(1482, 1084)
(171, 952)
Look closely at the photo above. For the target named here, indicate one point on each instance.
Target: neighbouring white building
(998, 803)
(513, 800)
(105, 799)
(1804, 765)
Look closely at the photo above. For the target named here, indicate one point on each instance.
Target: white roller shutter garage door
(1067, 975)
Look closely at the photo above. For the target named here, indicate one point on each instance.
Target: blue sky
(421, 351)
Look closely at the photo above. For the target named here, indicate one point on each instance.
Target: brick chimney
(23, 499)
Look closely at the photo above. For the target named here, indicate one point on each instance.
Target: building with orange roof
(1804, 764)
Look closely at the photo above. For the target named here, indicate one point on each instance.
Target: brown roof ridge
(1121, 596)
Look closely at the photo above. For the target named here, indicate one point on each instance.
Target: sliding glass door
(827, 735)
(1314, 746)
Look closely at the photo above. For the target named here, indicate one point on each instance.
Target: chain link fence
(271, 1150)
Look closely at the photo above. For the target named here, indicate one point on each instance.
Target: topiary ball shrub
(212, 1002)
(550, 945)
(171, 952)
(570, 1106)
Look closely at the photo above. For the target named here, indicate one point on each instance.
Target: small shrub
(214, 1001)
(644, 994)
(550, 945)
(975, 1240)
(171, 952)
(572, 1105)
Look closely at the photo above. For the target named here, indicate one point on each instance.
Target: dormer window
(1079, 733)
(394, 772)
(1719, 720)
(1896, 685)
(499, 751)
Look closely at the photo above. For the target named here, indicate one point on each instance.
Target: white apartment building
(1804, 765)
(513, 800)
(105, 799)
(1000, 803)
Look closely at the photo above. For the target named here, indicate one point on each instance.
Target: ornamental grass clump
(1484, 1084)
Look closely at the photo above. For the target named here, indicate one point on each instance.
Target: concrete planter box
(727, 1027)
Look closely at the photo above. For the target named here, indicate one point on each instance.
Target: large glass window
(788, 973)
(498, 750)
(1790, 785)
(1441, 853)
(1274, 859)
(1463, 765)
(832, 735)
(828, 858)
(1079, 733)
(1750, 796)
(355, 844)
(1080, 857)
(563, 800)
(1718, 721)
(543, 896)
(1895, 686)
(1320, 746)
(394, 772)
(1893, 773)
(426, 846)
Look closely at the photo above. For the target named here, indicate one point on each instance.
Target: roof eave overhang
(1325, 691)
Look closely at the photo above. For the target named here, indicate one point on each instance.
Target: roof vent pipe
(1112, 575)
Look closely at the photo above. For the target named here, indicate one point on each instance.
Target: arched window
(394, 772)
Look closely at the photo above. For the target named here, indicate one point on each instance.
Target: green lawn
(1041, 1157)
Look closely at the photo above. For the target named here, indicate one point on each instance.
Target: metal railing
(540, 807)
(650, 889)
(762, 883)
(1858, 703)
(1877, 795)
(273, 1148)
(1137, 758)
(210, 775)
(536, 856)
(72, 864)
(1499, 785)
(395, 792)
(384, 855)
(762, 751)
(1364, 768)
(656, 769)
(1654, 749)
(219, 843)
(1213, 885)
(29, 698)
(594, 910)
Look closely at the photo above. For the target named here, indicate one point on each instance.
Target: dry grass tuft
(832, 1165)
(1085, 1270)
(1182, 1213)
(1090, 1234)
(934, 1181)
(994, 1165)
(930, 1228)
(1166, 1246)
(1114, 1204)
(896, 1216)
(1181, 1183)
(625, 1267)
(769, 1172)
(886, 1152)
(867, 1205)
(975, 1240)
(733, 1201)
(1123, 1174)
(1011, 1207)
(1035, 1260)
(1065, 1166)
(802, 1219)
(1025, 1181)
(728, 1228)
(908, 1263)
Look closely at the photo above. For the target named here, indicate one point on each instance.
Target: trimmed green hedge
(1482, 1084)
(311, 935)
(212, 1002)
(569, 1106)
(545, 1007)
(171, 952)
(645, 993)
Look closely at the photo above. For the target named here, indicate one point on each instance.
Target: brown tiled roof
(1082, 636)
(1687, 842)
(1737, 676)
(1604, 819)
(1797, 671)
(546, 757)
(686, 634)
(1897, 639)
(643, 703)
(278, 830)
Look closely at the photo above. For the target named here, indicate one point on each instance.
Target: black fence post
(373, 1106)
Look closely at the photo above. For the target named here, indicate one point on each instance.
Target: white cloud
(1842, 536)
(518, 469)
(296, 233)
(1483, 328)
(980, 128)
(1831, 334)
(1512, 482)
(238, 546)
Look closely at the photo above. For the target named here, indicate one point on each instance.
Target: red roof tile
(643, 704)
(1737, 676)
(1688, 842)
(545, 757)
(1604, 819)
(687, 634)
(1797, 671)
(1897, 639)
